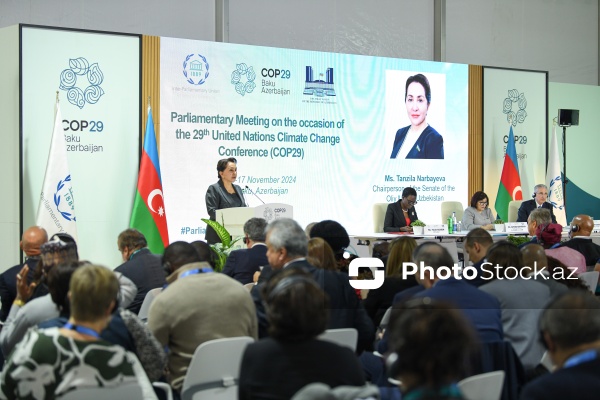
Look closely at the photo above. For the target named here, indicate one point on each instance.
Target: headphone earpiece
(574, 228)
(533, 195)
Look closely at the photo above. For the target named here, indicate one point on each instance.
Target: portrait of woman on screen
(419, 139)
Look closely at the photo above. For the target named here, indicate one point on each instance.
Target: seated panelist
(401, 214)
(540, 195)
(478, 215)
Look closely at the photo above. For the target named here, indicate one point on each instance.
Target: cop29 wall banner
(97, 76)
(517, 99)
(330, 134)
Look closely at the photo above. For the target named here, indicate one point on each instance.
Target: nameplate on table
(516, 227)
(596, 226)
(440, 229)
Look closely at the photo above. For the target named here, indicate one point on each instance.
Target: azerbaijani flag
(510, 181)
(148, 215)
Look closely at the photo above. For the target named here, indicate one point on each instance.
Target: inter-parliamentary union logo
(195, 69)
(242, 78)
(73, 80)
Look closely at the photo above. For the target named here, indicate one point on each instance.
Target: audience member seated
(320, 254)
(535, 258)
(337, 237)
(242, 264)
(430, 346)
(521, 300)
(124, 327)
(197, 306)
(580, 240)
(31, 241)
(478, 215)
(476, 244)
(540, 195)
(292, 357)
(549, 236)
(480, 308)
(379, 300)
(60, 249)
(401, 214)
(570, 328)
(287, 247)
(142, 267)
(537, 217)
(49, 363)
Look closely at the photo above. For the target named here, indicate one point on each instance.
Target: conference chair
(347, 337)
(150, 296)
(513, 210)
(448, 207)
(486, 386)
(130, 391)
(590, 279)
(379, 210)
(214, 370)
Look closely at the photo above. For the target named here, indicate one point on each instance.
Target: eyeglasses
(411, 203)
(483, 203)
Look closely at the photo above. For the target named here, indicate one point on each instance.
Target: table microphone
(254, 194)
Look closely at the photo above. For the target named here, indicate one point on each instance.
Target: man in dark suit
(31, 241)
(476, 244)
(482, 309)
(139, 265)
(580, 240)
(570, 328)
(287, 247)
(540, 195)
(242, 264)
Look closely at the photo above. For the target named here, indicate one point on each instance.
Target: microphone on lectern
(254, 194)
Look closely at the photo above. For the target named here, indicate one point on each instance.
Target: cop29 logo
(195, 69)
(73, 81)
(242, 78)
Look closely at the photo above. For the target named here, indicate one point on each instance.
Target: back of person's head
(61, 248)
(541, 216)
(320, 254)
(309, 228)
(59, 279)
(255, 229)
(401, 251)
(285, 233)
(381, 249)
(433, 255)
(548, 234)
(205, 252)
(534, 256)
(297, 308)
(92, 289)
(334, 234)
(479, 235)
(32, 239)
(504, 255)
(178, 254)
(132, 239)
(572, 319)
(430, 341)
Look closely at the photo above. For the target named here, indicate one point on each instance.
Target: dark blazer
(529, 205)
(481, 308)
(272, 369)
(146, 271)
(394, 217)
(578, 382)
(584, 245)
(242, 264)
(345, 308)
(217, 199)
(430, 144)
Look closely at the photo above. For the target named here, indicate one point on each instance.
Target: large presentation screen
(330, 134)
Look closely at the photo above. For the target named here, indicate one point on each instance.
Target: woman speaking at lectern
(223, 194)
